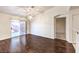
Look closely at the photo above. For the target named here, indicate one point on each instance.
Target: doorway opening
(60, 28)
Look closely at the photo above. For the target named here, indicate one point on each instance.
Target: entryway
(60, 28)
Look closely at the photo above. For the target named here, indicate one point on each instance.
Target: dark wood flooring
(35, 44)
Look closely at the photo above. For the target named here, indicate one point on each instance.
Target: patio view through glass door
(17, 28)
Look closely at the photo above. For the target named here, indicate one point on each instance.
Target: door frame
(60, 16)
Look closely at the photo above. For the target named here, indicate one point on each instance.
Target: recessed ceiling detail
(24, 10)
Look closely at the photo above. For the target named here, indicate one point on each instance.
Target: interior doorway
(60, 28)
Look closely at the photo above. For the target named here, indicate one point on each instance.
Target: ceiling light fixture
(30, 17)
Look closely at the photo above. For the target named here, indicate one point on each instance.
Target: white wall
(28, 27)
(43, 24)
(4, 26)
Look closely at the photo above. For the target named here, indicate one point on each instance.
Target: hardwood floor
(35, 44)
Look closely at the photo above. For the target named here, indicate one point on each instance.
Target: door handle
(77, 32)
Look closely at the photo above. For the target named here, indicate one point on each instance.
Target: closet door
(75, 31)
(76, 28)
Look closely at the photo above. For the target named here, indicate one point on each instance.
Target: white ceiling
(24, 10)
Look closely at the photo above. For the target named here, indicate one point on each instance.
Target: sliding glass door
(18, 28)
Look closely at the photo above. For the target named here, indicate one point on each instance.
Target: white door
(75, 31)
